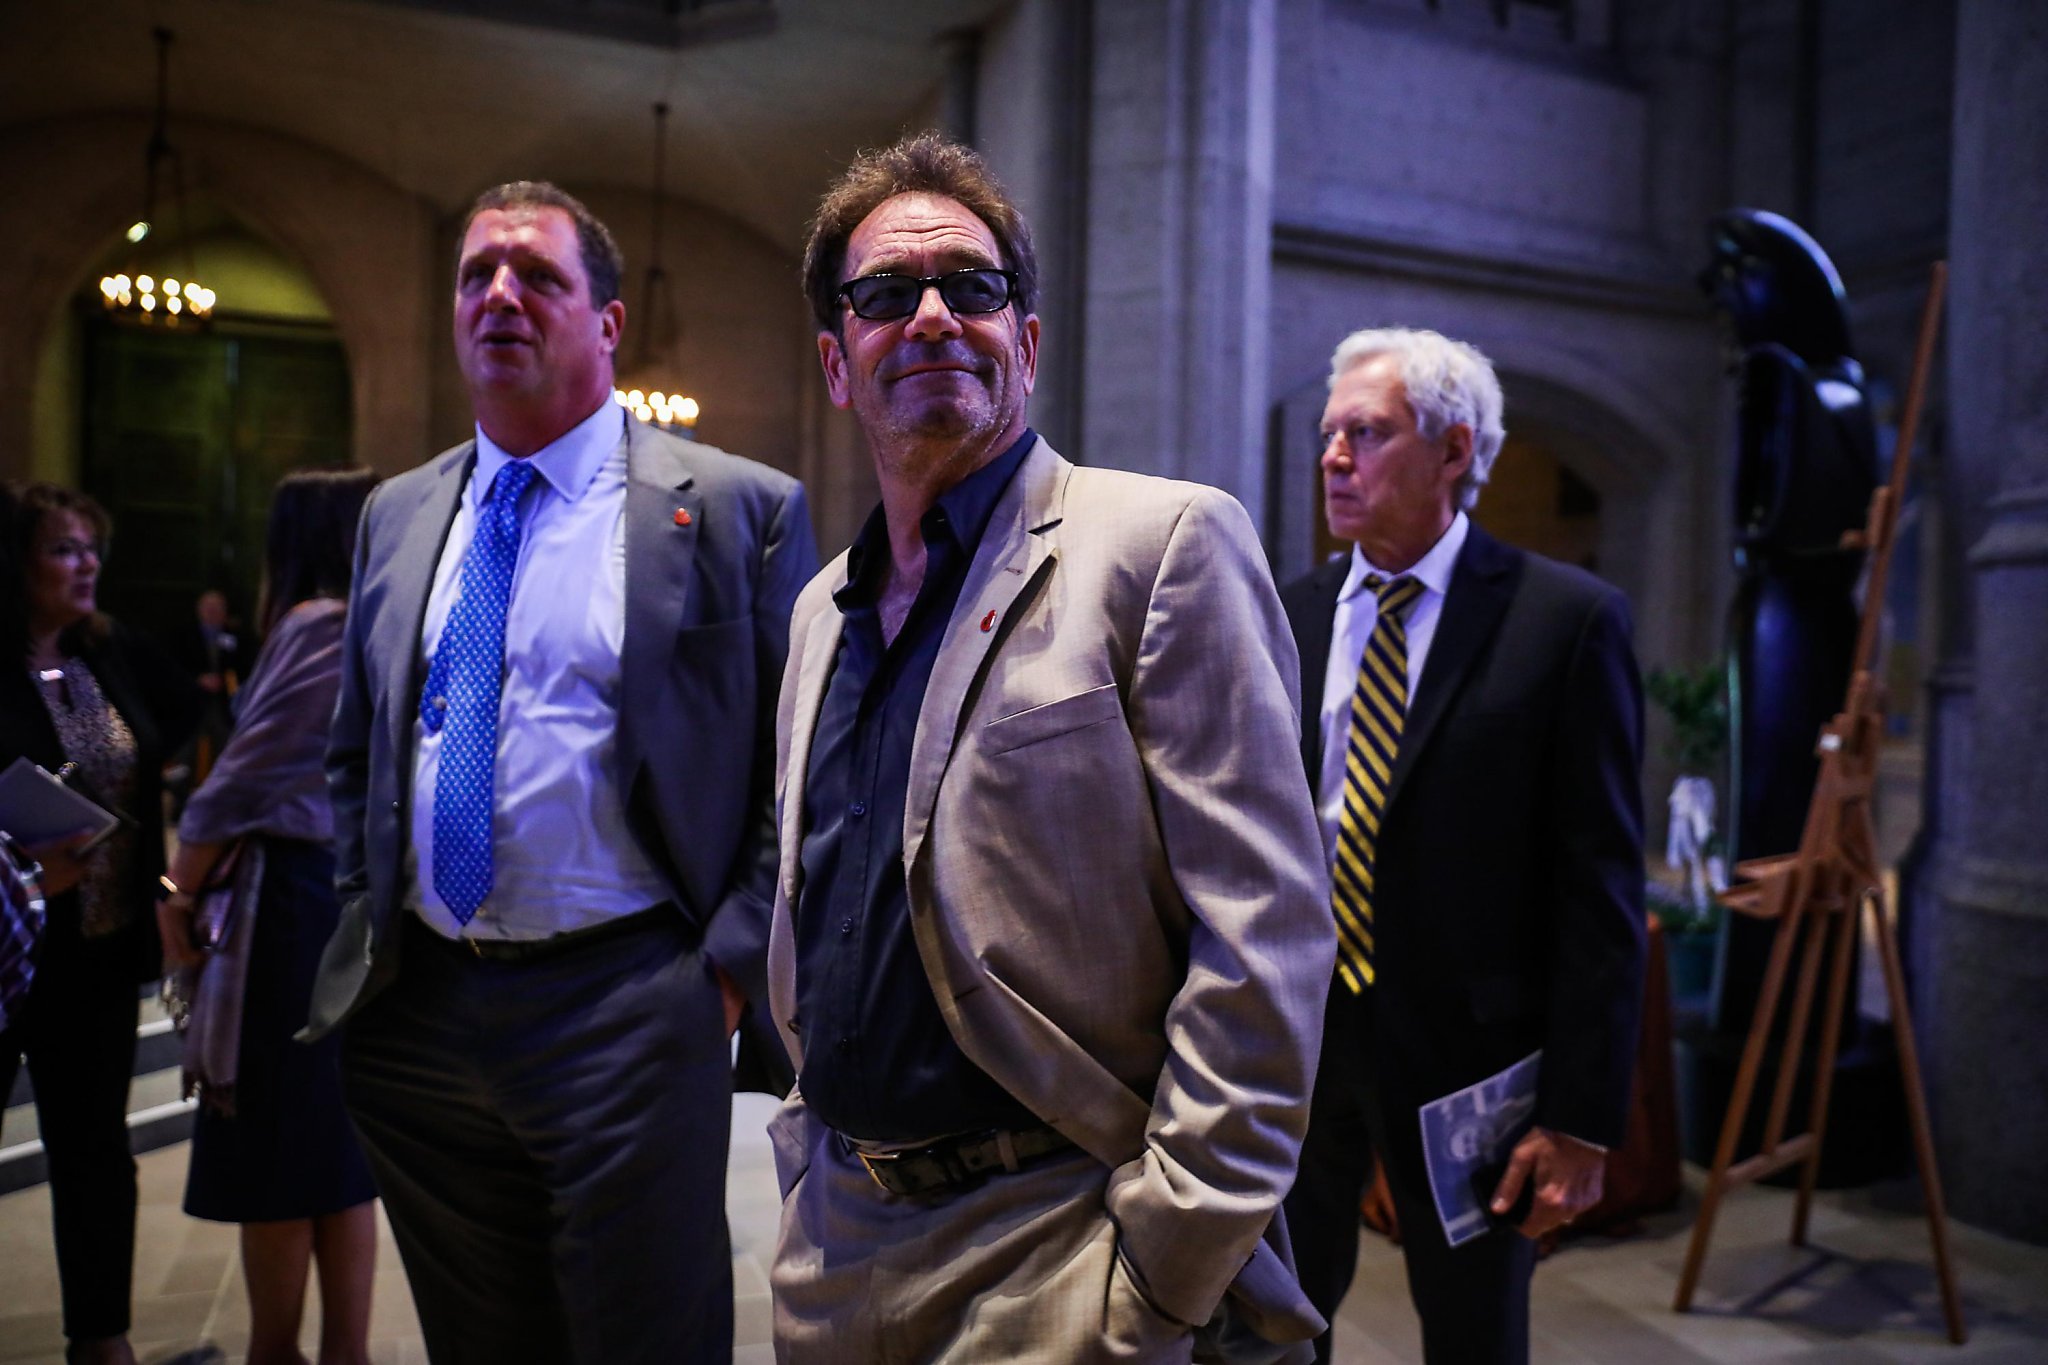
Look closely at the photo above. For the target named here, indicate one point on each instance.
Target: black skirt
(288, 1152)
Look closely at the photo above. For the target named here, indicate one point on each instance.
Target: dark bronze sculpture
(1806, 467)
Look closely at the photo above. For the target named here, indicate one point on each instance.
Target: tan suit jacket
(1114, 881)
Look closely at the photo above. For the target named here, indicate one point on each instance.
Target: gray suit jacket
(707, 613)
(1114, 886)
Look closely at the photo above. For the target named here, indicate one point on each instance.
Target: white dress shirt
(1357, 611)
(563, 856)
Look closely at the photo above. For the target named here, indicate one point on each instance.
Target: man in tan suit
(1049, 944)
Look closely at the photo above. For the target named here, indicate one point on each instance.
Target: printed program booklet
(1470, 1130)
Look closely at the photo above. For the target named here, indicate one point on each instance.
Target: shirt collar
(962, 513)
(568, 463)
(1433, 570)
(969, 503)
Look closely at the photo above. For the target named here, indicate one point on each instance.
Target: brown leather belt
(527, 949)
(957, 1161)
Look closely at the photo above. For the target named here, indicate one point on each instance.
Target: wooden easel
(1822, 892)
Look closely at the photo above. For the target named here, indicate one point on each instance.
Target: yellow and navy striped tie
(1378, 707)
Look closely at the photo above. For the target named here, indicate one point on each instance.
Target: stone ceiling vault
(443, 104)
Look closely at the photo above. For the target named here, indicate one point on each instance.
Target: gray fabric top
(269, 778)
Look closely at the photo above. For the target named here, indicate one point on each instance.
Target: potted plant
(1695, 701)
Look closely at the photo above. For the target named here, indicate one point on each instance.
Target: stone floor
(1863, 1293)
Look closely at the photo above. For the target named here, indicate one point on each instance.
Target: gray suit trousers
(549, 1136)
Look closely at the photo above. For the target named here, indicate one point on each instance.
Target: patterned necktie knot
(511, 481)
(1395, 595)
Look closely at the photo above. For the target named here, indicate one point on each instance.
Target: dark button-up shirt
(879, 1062)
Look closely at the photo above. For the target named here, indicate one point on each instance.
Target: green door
(186, 435)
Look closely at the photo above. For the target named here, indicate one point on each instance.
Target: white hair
(1448, 383)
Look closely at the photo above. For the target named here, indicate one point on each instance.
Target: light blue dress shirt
(565, 859)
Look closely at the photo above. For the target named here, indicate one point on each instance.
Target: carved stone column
(1991, 863)
(1179, 245)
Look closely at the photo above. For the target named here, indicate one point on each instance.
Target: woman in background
(77, 688)
(273, 1150)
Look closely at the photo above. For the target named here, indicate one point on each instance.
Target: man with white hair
(1472, 730)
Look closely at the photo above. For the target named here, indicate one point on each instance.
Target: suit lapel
(1481, 586)
(411, 573)
(660, 550)
(813, 649)
(819, 650)
(1016, 549)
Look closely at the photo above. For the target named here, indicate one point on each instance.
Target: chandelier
(143, 297)
(663, 407)
(138, 298)
(672, 412)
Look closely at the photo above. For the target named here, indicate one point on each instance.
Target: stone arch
(1645, 469)
(367, 244)
(1607, 435)
(1611, 453)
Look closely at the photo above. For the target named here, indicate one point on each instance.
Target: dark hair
(603, 264)
(311, 546)
(923, 164)
(28, 506)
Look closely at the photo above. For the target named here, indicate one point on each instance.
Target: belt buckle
(875, 1161)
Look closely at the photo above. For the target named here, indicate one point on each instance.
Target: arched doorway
(182, 434)
(1536, 501)
(1572, 482)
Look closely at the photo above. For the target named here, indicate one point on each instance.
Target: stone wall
(1516, 190)
(382, 260)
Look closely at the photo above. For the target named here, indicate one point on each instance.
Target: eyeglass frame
(937, 282)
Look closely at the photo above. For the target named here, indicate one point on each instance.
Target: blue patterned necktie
(461, 698)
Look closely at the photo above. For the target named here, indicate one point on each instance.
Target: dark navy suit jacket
(1508, 909)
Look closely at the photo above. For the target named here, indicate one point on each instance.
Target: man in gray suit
(555, 841)
(1049, 942)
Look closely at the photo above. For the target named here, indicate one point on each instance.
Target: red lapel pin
(988, 623)
(682, 516)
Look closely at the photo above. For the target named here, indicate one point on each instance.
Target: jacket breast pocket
(1051, 720)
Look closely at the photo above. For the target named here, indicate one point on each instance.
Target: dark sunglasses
(884, 298)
